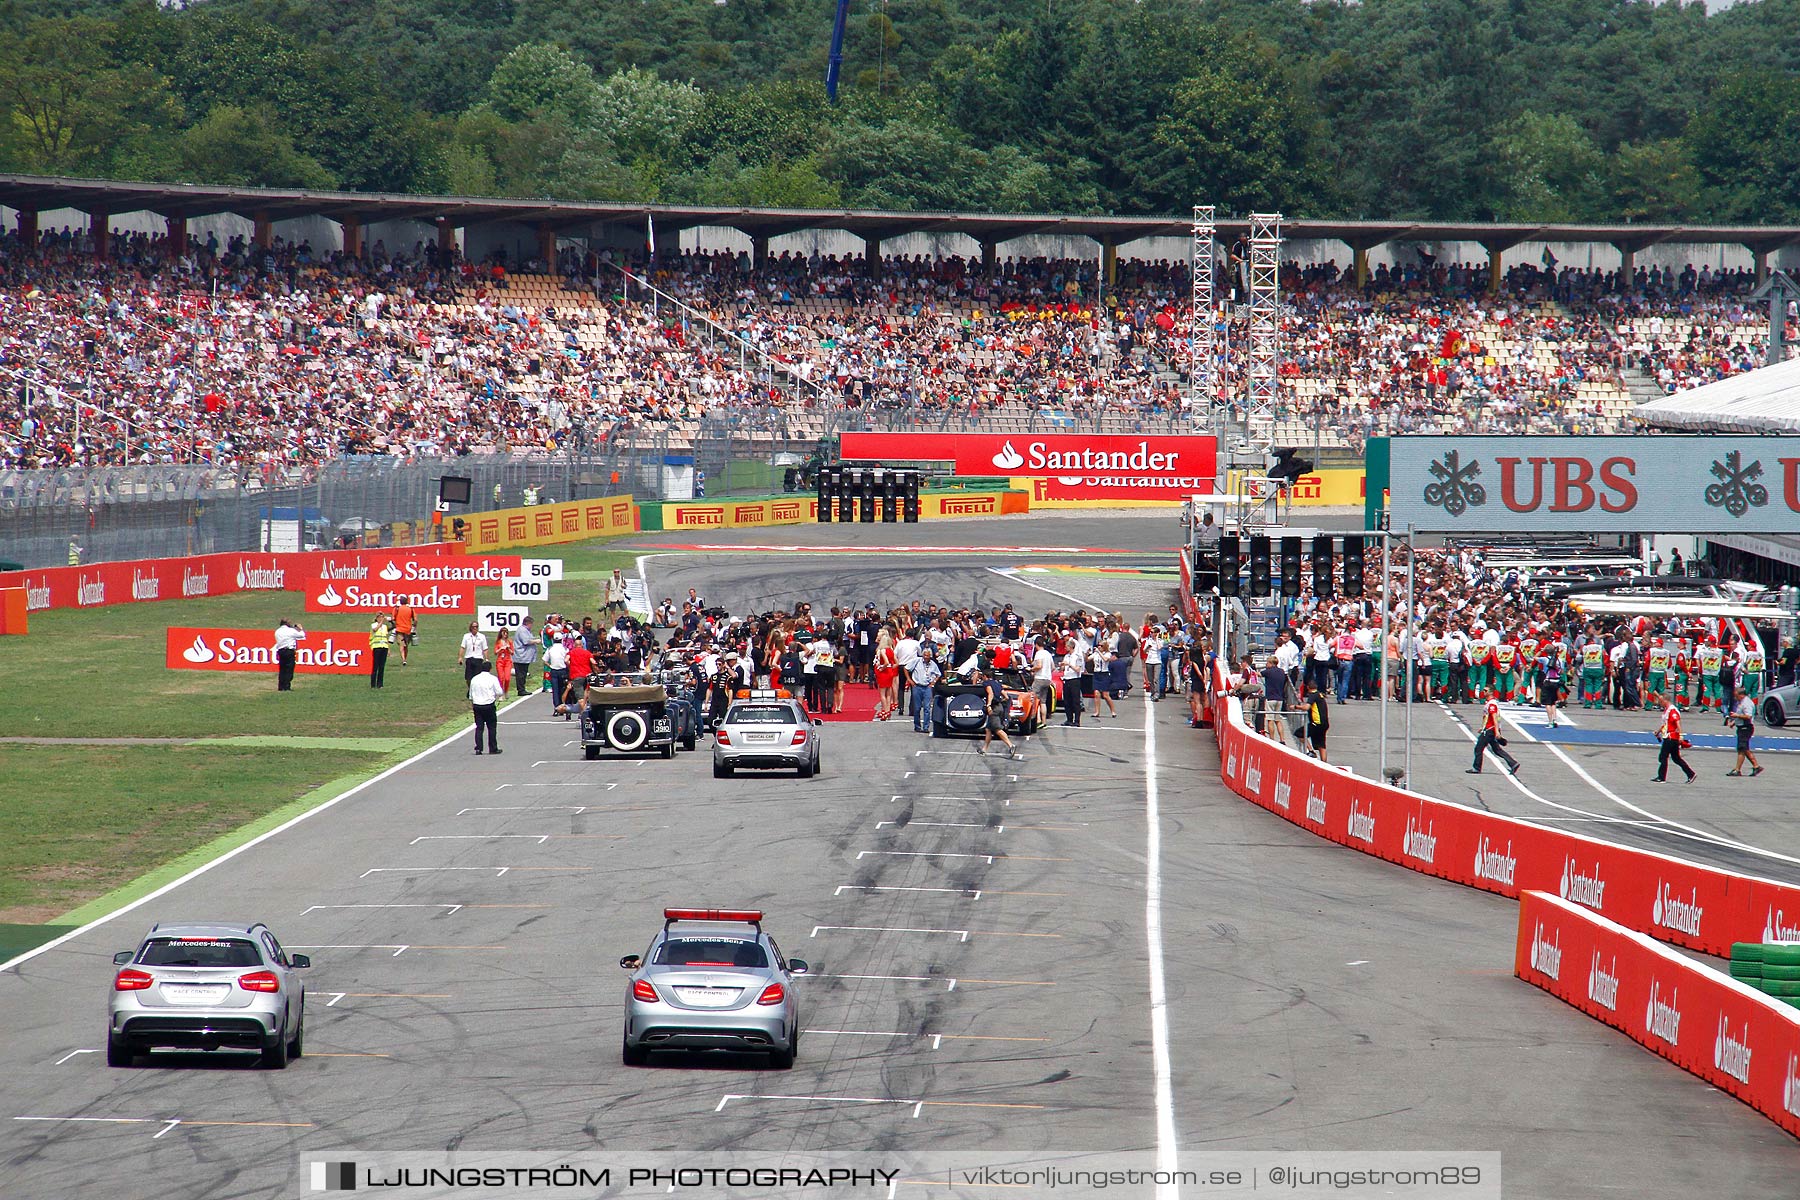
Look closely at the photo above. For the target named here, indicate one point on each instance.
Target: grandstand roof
(39, 193)
(1765, 400)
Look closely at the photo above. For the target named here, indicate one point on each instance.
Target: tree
(1745, 142)
(539, 79)
(1235, 136)
(643, 116)
(1548, 169)
(71, 104)
(247, 148)
(1652, 181)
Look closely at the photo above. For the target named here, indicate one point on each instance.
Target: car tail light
(799, 738)
(259, 981)
(132, 980)
(773, 994)
(723, 738)
(641, 990)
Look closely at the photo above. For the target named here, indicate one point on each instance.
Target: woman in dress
(887, 675)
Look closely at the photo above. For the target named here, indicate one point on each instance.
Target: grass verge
(83, 827)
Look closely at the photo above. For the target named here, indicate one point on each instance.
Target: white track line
(1657, 823)
(232, 853)
(1166, 1155)
(1661, 820)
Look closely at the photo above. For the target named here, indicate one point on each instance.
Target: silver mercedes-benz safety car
(202, 986)
(766, 728)
(712, 980)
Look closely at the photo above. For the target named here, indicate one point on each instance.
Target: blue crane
(836, 62)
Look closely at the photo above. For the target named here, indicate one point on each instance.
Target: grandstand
(262, 353)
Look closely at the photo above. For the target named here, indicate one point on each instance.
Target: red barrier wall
(1729, 1034)
(1689, 904)
(149, 579)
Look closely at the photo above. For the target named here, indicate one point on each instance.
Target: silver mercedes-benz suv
(206, 985)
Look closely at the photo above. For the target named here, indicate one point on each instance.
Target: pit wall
(1727, 1033)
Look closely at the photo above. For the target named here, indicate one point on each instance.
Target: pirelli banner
(755, 514)
(1648, 484)
(548, 524)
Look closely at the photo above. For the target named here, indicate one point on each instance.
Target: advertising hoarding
(1650, 484)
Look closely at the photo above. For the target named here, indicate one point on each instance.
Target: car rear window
(199, 952)
(710, 952)
(761, 714)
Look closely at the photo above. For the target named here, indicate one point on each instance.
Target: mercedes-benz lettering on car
(712, 980)
(767, 729)
(207, 986)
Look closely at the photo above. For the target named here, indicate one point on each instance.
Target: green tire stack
(1771, 967)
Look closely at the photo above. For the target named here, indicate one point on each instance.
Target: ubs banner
(1649, 484)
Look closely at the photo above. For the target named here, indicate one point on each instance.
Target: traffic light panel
(1259, 565)
(1290, 566)
(1321, 564)
(1353, 567)
(1231, 561)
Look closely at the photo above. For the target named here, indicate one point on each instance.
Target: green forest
(1526, 110)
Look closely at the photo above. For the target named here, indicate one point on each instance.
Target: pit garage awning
(1766, 400)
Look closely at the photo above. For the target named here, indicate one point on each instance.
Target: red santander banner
(1054, 489)
(1071, 457)
(1728, 1033)
(337, 652)
(146, 580)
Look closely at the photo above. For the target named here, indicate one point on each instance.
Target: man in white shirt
(474, 650)
(1043, 666)
(485, 693)
(287, 651)
(906, 653)
(556, 669)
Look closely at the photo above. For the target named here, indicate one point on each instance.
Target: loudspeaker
(844, 486)
(865, 496)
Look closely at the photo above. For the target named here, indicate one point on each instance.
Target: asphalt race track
(978, 929)
(1592, 775)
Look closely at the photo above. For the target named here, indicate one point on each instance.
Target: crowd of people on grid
(264, 358)
(1480, 635)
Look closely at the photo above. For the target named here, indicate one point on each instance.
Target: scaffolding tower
(1263, 365)
(1203, 336)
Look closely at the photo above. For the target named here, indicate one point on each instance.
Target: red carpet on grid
(859, 704)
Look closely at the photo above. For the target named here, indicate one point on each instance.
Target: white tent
(1765, 400)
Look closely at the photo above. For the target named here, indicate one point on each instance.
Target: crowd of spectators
(263, 358)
